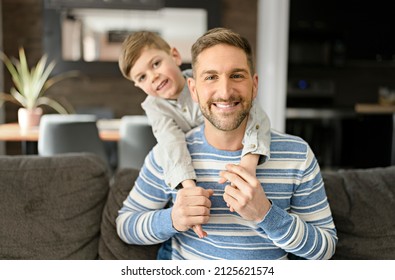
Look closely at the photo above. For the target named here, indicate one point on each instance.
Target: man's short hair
(225, 36)
(133, 45)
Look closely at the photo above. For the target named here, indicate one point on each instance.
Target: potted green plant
(30, 86)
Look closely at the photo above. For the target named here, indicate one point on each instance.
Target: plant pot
(28, 119)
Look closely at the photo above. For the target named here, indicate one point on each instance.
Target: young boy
(148, 61)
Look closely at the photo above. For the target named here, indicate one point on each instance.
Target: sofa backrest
(51, 207)
(363, 208)
(362, 203)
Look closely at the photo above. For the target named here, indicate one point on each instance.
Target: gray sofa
(64, 207)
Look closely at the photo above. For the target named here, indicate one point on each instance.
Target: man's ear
(175, 54)
(192, 89)
(254, 85)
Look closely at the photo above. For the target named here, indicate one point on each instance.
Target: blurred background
(339, 54)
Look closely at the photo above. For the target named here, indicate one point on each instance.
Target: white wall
(272, 57)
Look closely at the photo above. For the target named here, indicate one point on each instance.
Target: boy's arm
(250, 162)
(257, 138)
(175, 158)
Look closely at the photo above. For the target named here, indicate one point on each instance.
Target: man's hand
(192, 207)
(245, 194)
(196, 228)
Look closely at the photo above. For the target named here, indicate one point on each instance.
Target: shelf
(371, 108)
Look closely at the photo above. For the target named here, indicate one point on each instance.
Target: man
(282, 209)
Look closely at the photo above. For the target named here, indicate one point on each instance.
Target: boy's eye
(156, 64)
(141, 78)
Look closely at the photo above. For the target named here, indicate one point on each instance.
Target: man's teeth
(221, 105)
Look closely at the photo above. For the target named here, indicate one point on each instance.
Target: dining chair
(106, 113)
(70, 134)
(135, 142)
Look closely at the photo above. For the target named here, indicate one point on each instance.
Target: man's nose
(225, 87)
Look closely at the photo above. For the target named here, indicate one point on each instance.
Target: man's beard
(225, 121)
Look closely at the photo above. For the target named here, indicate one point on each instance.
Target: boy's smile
(162, 84)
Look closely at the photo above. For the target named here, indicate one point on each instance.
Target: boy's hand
(249, 162)
(196, 228)
(245, 195)
(188, 183)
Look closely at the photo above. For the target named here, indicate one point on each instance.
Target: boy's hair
(134, 44)
(225, 36)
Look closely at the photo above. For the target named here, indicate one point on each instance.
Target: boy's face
(158, 74)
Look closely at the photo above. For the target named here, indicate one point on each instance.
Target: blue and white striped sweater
(299, 220)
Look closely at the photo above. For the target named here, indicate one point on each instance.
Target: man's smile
(225, 106)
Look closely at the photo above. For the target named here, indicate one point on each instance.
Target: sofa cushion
(363, 208)
(50, 207)
(111, 247)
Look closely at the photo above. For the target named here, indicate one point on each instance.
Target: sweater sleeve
(306, 229)
(144, 218)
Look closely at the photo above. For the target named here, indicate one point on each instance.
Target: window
(87, 35)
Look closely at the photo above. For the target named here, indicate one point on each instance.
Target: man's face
(223, 86)
(157, 73)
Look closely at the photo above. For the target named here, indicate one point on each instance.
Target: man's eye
(237, 76)
(209, 78)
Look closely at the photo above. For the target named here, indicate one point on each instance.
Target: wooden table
(377, 109)
(108, 131)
